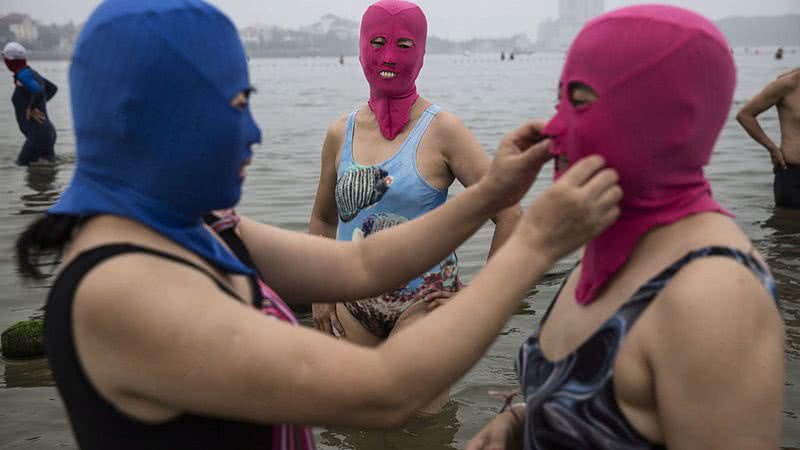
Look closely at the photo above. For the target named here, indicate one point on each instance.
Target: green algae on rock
(24, 339)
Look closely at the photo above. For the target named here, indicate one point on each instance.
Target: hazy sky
(452, 19)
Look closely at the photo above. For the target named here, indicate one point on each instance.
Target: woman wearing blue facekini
(31, 94)
(152, 325)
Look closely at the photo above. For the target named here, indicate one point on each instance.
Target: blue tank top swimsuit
(372, 198)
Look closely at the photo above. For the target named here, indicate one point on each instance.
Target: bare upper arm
(717, 359)
(324, 202)
(770, 95)
(179, 344)
(461, 151)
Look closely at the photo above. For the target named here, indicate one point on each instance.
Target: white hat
(14, 51)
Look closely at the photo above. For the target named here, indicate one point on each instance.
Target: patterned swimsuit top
(571, 403)
(372, 198)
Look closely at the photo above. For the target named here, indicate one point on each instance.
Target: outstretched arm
(228, 361)
(767, 98)
(307, 268)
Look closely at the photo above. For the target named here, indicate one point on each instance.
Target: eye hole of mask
(378, 42)
(581, 95)
(405, 43)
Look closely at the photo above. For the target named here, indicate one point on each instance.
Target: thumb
(537, 154)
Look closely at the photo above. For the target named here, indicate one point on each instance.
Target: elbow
(395, 412)
(393, 401)
(743, 117)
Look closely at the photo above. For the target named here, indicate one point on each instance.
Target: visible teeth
(387, 74)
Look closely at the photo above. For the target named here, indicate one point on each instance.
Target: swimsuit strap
(415, 137)
(109, 251)
(655, 284)
(347, 148)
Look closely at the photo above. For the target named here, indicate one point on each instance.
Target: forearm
(753, 128)
(398, 254)
(309, 269)
(475, 317)
(504, 223)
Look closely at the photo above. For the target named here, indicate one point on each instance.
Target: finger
(326, 326)
(528, 133)
(430, 297)
(601, 182)
(336, 324)
(537, 154)
(610, 197)
(608, 218)
(582, 171)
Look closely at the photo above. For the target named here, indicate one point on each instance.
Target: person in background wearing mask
(388, 162)
(31, 94)
(667, 333)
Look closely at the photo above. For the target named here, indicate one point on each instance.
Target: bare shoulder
(337, 127)
(118, 281)
(791, 76)
(789, 80)
(716, 304)
(448, 124)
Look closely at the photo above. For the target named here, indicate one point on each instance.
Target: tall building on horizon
(572, 15)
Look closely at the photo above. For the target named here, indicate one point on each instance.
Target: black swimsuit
(786, 186)
(570, 403)
(97, 424)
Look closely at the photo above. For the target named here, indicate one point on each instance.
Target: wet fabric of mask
(391, 98)
(664, 80)
(157, 138)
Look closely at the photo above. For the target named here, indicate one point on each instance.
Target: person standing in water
(667, 333)
(388, 162)
(31, 94)
(784, 94)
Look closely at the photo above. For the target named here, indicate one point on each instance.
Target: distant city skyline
(449, 19)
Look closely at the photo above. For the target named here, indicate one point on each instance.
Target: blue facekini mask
(157, 139)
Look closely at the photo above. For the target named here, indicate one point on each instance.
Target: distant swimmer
(341, 60)
(502, 56)
(779, 54)
(31, 94)
(784, 94)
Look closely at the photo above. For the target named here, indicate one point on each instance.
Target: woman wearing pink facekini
(667, 333)
(388, 162)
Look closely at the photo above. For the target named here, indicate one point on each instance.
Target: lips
(387, 74)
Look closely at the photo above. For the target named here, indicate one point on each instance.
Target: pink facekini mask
(664, 80)
(392, 96)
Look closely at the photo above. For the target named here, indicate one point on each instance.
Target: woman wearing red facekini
(667, 333)
(390, 161)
